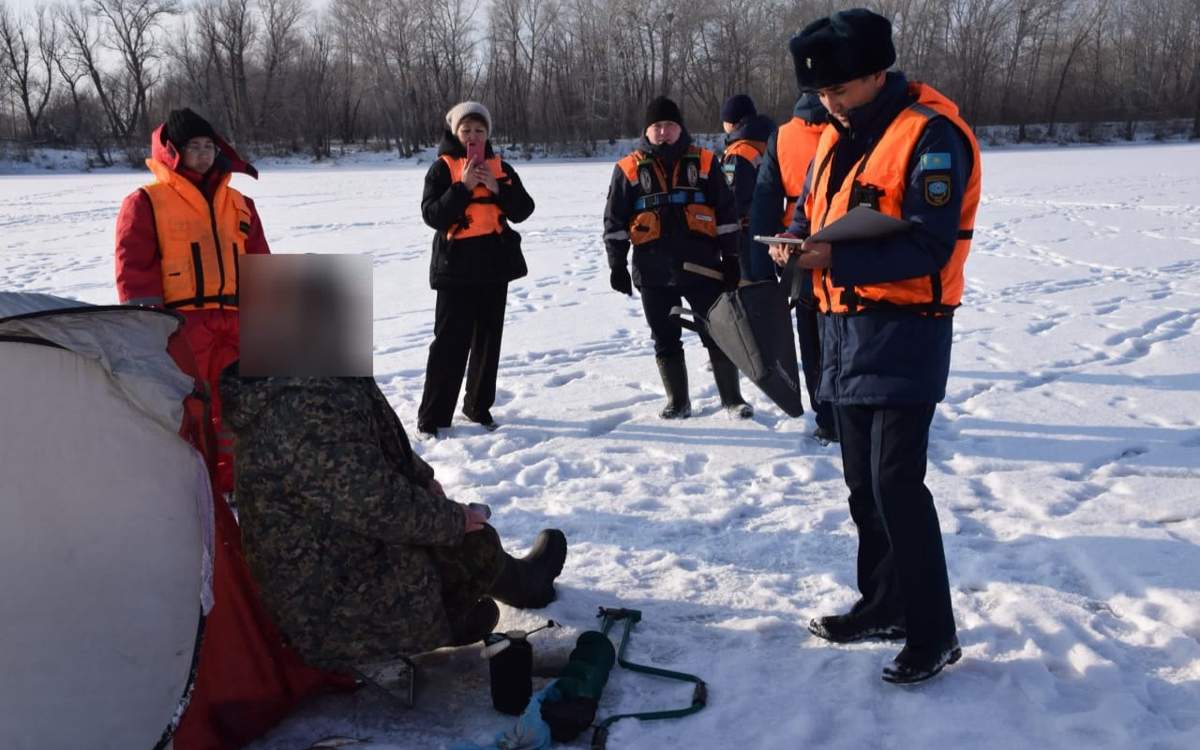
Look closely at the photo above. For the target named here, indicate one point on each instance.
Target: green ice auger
(632, 617)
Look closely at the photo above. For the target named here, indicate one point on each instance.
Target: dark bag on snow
(753, 326)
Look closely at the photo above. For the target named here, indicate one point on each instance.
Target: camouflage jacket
(336, 517)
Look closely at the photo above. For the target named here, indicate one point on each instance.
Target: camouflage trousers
(468, 572)
(424, 620)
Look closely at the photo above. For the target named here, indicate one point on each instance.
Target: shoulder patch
(937, 189)
(934, 161)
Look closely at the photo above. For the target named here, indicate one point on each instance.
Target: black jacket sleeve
(927, 247)
(767, 206)
(729, 226)
(513, 199)
(617, 213)
(443, 204)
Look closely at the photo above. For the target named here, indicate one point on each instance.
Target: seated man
(360, 555)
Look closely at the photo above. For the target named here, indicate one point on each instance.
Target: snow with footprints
(1065, 462)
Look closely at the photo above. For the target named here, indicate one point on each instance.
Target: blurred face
(665, 132)
(199, 154)
(471, 132)
(729, 127)
(844, 97)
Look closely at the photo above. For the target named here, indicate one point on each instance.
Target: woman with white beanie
(470, 198)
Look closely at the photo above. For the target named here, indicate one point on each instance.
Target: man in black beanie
(887, 306)
(669, 200)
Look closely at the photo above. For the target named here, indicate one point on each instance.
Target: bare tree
(29, 45)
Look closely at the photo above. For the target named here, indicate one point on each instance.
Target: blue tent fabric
(531, 731)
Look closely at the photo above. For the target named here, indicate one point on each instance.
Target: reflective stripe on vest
(795, 145)
(199, 242)
(883, 171)
(483, 212)
(684, 194)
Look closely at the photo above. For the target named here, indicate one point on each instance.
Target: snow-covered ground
(1065, 462)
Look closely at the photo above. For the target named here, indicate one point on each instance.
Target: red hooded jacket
(138, 260)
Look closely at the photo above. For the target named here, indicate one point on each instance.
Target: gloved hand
(732, 270)
(621, 281)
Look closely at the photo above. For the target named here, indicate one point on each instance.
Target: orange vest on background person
(795, 145)
(658, 194)
(751, 151)
(200, 243)
(483, 213)
(886, 167)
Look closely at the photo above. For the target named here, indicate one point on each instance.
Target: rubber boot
(673, 370)
(528, 582)
(726, 374)
(477, 623)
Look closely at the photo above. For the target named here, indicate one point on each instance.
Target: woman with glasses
(179, 241)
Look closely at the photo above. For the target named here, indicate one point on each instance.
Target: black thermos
(512, 674)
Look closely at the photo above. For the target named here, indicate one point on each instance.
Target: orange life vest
(684, 192)
(200, 243)
(795, 145)
(886, 168)
(751, 151)
(483, 212)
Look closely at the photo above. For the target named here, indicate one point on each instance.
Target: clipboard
(768, 240)
(861, 223)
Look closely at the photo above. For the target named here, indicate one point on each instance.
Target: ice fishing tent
(106, 522)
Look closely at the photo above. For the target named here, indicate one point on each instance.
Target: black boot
(852, 629)
(913, 665)
(528, 582)
(478, 622)
(728, 379)
(673, 370)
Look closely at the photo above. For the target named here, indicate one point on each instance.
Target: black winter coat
(474, 261)
(660, 263)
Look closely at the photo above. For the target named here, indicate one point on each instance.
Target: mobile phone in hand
(475, 152)
(482, 509)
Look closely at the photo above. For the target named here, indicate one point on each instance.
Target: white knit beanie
(459, 111)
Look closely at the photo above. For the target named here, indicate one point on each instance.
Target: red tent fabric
(247, 678)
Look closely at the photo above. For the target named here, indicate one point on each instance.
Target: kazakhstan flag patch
(935, 161)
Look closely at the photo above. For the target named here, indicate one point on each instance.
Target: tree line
(286, 75)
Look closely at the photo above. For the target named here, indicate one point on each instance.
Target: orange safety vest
(795, 145)
(200, 242)
(483, 212)
(684, 191)
(885, 168)
(751, 151)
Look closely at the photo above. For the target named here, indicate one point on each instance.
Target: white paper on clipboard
(861, 223)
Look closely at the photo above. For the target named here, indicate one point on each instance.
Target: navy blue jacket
(742, 175)
(660, 263)
(770, 196)
(882, 357)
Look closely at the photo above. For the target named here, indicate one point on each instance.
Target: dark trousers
(469, 322)
(809, 337)
(657, 302)
(901, 563)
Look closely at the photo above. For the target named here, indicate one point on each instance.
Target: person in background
(776, 194)
(669, 200)
(179, 241)
(887, 319)
(471, 196)
(746, 136)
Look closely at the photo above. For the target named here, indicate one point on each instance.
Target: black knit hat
(737, 108)
(183, 125)
(663, 109)
(849, 44)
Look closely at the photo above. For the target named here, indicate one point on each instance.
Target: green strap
(699, 695)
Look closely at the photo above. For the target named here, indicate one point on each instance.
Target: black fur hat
(183, 125)
(849, 44)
